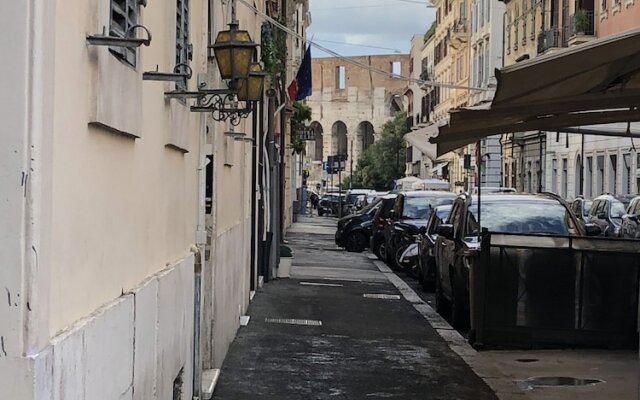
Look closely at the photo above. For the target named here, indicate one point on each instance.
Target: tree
(384, 161)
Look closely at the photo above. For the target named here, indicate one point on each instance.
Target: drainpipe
(197, 301)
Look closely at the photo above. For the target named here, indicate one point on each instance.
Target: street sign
(336, 163)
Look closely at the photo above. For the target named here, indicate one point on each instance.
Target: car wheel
(442, 306)
(356, 242)
(459, 310)
(381, 250)
(427, 284)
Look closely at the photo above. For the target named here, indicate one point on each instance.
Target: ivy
(274, 50)
(301, 114)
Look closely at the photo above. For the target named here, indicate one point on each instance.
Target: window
(481, 17)
(533, 20)
(480, 65)
(487, 70)
(124, 15)
(516, 27)
(613, 173)
(508, 28)
(488, 14)
(564, 182)
(341, 80)
(554, 176)
(524, 22)
(396, 68)
(603, 5)
(183, 48)
(588, 189)
(626, 174)
(600, 175)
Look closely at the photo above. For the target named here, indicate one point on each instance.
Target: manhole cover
(542, 381)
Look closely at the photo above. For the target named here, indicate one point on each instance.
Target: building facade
(124, 203)
(350, 102)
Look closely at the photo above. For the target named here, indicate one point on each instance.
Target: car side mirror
(593, 229)
(445, 230)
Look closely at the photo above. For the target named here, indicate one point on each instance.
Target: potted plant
(580, 21)
(286, 258)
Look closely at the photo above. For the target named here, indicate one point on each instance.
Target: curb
(504, 388)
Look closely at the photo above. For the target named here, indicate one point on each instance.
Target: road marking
(244, 320)
(320, 284)
(291, 321)
(342, 279)
(381, 296)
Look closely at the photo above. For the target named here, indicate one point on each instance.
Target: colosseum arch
(318, 146)
(365, 134)
(339, 138)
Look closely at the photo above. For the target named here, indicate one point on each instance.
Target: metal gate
(540, 291)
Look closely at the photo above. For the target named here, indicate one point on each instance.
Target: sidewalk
(322, 335)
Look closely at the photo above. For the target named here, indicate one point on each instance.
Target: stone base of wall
(132, 348)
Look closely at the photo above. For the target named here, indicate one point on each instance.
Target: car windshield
(522, 217)
(586, 207)
(617, 209)
(420, 207)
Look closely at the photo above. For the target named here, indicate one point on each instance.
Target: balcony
(549, 39)
(582, 28)
(459, 33)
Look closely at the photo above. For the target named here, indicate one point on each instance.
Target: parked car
(328, 204)
(630, 227)
(354, 231)
(410, 212)
(580, 207)
(458, 241)
(607, 212)
(426, 244)
(380, 220)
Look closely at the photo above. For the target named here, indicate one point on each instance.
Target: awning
(420, 140)
(591, 84)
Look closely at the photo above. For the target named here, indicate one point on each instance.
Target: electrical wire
(366, 6)
(355, 62)
(356, 45)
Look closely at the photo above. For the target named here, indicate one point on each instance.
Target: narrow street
(340, 329)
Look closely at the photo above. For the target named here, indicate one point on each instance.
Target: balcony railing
(549, 39)
(582, 24)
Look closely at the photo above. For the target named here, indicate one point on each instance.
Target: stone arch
(365, 134)
(318, 146)
(338, 138)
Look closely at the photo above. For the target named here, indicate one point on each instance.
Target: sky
(389, 24)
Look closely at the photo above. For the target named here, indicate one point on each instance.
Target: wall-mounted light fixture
(233, 51)
(128, 41)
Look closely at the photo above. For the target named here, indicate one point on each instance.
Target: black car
(380, 220)
(328, 204)
(410, 212)
(607, 212)
(630, 228)
(426, 256)
(458, 243)
(354, 231)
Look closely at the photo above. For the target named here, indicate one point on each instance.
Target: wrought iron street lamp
(234, 51)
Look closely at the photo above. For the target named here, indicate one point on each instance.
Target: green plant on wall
(301, 114)
(273, 52)
(580, 21)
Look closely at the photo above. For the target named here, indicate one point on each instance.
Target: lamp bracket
(215, 101)
(128, 41)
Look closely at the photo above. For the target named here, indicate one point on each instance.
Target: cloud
(389, 24)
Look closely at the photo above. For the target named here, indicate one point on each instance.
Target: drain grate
(527, 360)
(292, 321)
(381, 296)
(542, 381)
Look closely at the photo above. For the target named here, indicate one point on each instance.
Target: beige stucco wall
(123, 207)
(617, 19)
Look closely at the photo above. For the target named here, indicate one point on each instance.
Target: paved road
(365, 348)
